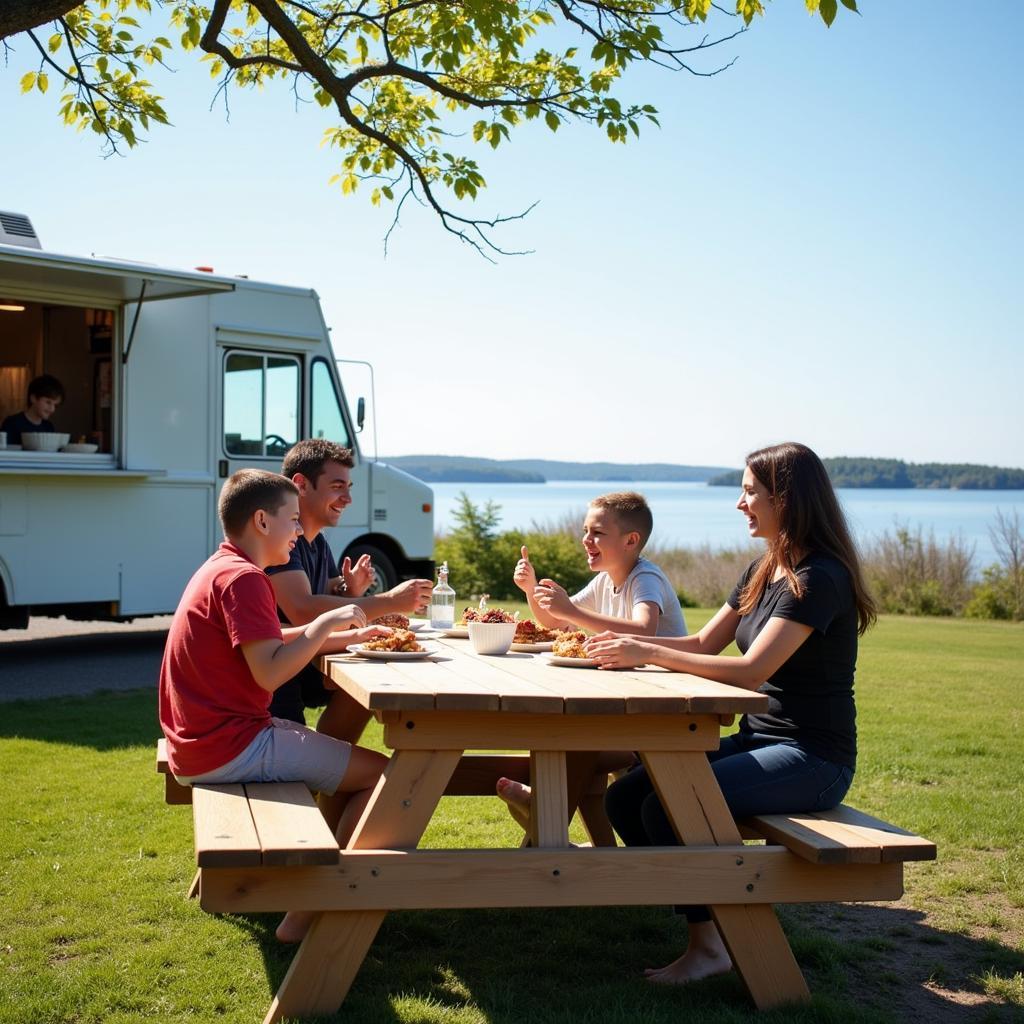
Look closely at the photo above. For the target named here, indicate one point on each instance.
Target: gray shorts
(284, 752)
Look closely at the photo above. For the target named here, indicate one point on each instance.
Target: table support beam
(694, 803)
(462, 879)
(397, 814)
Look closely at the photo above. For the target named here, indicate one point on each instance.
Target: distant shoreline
(846, 472)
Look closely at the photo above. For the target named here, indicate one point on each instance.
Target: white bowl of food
(81, 448)
(37, 441)
(491, 637)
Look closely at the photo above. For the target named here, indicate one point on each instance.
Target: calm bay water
(691, 514)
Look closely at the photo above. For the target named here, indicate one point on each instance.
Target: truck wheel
(384, 573)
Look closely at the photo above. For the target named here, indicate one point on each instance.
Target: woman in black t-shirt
(795, 615)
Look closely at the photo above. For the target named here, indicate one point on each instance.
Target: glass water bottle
(442, 601)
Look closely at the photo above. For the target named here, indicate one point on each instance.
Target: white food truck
(178, 378)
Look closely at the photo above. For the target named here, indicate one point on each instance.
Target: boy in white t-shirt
(629, 594)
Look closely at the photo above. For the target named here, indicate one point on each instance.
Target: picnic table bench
(264, 847)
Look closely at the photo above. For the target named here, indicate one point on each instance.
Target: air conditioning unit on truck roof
(178, 378)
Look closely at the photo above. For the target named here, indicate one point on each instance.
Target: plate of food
(400, 645)
(384, 655)
(564, 662)
(567, 651)
(457, 632)
(533, 638)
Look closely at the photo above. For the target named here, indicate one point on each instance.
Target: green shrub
(911, 575)
(481, 560)
(995, 597)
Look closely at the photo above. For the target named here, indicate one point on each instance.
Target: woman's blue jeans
(757, 774)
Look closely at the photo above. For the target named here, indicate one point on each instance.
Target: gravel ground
(60, 657)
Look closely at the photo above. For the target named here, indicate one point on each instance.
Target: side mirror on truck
(360, 414)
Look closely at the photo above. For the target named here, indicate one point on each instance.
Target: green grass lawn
(94, 926)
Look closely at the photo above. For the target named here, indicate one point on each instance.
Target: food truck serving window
(261, 404)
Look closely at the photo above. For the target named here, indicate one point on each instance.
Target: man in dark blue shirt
(311, 583)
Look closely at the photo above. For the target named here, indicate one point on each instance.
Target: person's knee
(655, 822)
(365, 767)
(343, 718)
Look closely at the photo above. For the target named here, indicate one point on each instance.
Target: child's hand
(360, 636)
(554, 600)
(348, 616)
(357, 577)
(524, 577)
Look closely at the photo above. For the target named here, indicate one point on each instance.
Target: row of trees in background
(909, 573)
(894, 473)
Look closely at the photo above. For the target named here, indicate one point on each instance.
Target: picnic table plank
(289, 824)
(224, 830)
(375, 684)
(641, 690)
(843, 835)
(437, 730)
(515, 693)
(579, 695)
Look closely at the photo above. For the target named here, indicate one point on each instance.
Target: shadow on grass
(102, 721)
(865, 964)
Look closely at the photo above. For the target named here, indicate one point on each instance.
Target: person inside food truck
(45, 393)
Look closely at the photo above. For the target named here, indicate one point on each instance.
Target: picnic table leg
(549, 819)
(193, 889)
(584, 791)
(333, 950)
(586, 794)
(694, 803)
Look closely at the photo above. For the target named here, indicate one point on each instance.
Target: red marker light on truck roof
(205, 270)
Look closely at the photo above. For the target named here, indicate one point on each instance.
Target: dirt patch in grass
(907, 962)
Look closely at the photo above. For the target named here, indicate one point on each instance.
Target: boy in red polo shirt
(226, 653)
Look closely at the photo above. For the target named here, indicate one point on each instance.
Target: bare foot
(705, 955)
(693, 965)
(517, 798)
(294, 925)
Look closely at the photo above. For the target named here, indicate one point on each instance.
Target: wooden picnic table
(435, 710)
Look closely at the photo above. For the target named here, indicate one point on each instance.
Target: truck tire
(384, 571)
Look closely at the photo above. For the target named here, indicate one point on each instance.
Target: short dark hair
(247, 492)
(45, 386)
(631, 512)
(309, 458)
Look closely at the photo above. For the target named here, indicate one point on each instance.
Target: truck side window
(326, 419)
(261, 404)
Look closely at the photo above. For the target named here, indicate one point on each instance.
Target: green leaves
(748, 8)
(404, 77)
(829, 8)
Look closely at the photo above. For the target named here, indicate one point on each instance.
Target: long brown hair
(810, 520)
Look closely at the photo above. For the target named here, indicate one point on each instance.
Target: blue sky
(823, 243)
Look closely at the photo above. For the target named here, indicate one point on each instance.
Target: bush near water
(909, 573)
